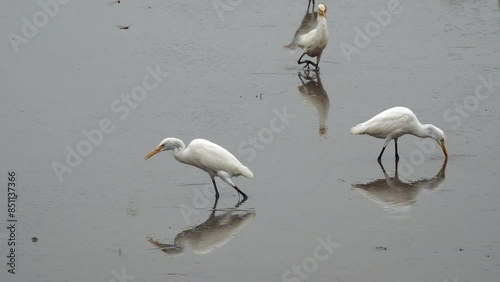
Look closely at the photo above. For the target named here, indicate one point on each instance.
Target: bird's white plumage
(391, 123)
(213, 158)
(208, 156)
(396, 122)
(314, 41)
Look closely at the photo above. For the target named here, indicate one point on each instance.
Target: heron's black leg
(215, 187)
(396, 147)
(239, 203)
(215, 203)
(396, 173)
(242, 194)
(383, 149)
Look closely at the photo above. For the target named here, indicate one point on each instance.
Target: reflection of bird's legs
(396, 148)
(215, 203)
(215, 187)
(383, 149)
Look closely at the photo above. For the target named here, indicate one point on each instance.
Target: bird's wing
(306, 40)
(210, 156)
(309, 22)
(386, 124)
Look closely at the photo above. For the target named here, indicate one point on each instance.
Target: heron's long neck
(322, 24)
(179, 150)
(423, 131)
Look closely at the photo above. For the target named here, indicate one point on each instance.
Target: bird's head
(165, 145)
(322, 10)
(437, 134)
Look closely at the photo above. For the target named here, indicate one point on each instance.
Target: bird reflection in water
(394, 195)
(315, 95)
(212, 234)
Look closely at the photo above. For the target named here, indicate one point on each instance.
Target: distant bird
(314, 93)
(212, 234)
(208, 156)
(396, 122)
(395, 195)
(313, 42)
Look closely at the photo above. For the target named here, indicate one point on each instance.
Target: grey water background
(227, 75)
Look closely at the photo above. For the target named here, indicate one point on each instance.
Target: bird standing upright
(396, 122)
(208, 156)
(314, 42)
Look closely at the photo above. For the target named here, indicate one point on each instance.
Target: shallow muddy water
(320, 207)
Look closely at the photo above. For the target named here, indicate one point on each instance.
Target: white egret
(314, 42)
(208, 156)
(396, 122)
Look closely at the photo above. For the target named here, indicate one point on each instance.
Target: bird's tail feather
(358, 129)
(245, 171)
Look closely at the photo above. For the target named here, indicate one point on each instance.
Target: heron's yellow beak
(444, 149)
(154, 152)
(322, 10)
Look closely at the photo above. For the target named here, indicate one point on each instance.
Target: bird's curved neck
(321, 22)
(423, 131)
(178, 151)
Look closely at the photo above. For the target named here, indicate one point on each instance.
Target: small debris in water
(380, 248)
(34, 239)
(124, 26)
(113, 2)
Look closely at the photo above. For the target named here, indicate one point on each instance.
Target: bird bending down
(314, 42)
(396, 122)
(208, 156)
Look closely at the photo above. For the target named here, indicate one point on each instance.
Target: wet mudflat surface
(320, 207)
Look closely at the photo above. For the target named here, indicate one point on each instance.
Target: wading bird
(208, 156)
(314, 41)
(396, 122)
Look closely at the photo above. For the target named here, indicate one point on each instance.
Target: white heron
(208, 156)
(313, 42)
(396, 122)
